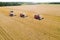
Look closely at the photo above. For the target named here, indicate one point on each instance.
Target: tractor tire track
(47, 33)
(4, 34)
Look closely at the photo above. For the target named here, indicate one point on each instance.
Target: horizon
(34, 1)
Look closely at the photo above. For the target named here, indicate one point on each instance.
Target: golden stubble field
(17, 28)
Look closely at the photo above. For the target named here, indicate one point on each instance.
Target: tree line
(25, 3)
(16, 3)
(10, 3)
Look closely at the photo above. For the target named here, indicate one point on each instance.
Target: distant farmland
(17, 28)
(24, 3)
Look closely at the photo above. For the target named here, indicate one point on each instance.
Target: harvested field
(17, 28)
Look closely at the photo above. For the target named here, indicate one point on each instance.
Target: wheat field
(17, 28)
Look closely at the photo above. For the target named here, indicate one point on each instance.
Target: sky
(29, 0)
